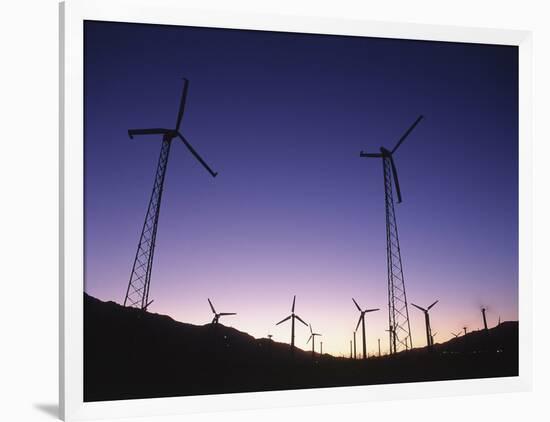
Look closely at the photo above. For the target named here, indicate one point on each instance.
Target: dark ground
(129, 354)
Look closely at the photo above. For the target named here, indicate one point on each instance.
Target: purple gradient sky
(294, 210)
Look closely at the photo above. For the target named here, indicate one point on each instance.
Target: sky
(294, 210)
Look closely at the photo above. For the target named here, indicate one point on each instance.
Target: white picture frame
(72, 15)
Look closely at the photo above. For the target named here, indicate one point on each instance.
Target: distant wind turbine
(312, 337)
(390, 331)
(456, 334)
(483, 310)
(427, 319)
(218, 315)
(292, 317)
(362, 322)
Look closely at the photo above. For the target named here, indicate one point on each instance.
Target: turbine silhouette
(390, 331)
(312, 338)
(483, 310)
(292, 317)
(137, 293)
(362, 322)
(429, 339)
(398, 311)
(354, 345)
(218, 315)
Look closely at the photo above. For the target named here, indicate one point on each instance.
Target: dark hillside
(132, 354)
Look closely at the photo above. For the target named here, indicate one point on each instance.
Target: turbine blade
(197, 156)
(310, 337)
(293, 303)
(301, 320)
(182, 103)
(432, 305)
(310, 329)
(358, 307)
(153, 131)
(227, 313)
(211, 306)
(359, 321)
(419, 307)
(395, 179)
(370, 155)
(407, 133)
(286, 319)
(372, 310)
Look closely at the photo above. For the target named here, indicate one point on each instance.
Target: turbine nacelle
(385, 152)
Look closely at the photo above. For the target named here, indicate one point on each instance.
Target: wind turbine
(312, 337)
(397, 298)
(483, 310)
(392, 340)
(137, 293)
(456, 335)
(465, 330)
(433, 336)
(427, 318)
(292, 317)
(362, 322)
(218, 315)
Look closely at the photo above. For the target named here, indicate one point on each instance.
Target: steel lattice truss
(400, 329)
(137, 294)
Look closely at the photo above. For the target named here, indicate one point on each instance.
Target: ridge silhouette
(131, 354)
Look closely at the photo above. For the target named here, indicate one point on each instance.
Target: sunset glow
(294, 210)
